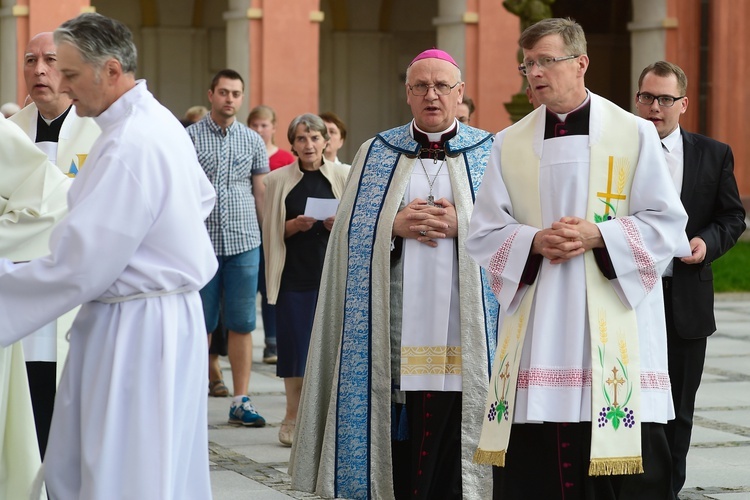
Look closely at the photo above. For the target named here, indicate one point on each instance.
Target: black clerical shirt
(576, 123)
(51, 132)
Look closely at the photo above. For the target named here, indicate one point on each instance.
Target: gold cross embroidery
(614, 382)
(505, 376)
(609, 195)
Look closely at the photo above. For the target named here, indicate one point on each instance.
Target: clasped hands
(567, 238)
(427, 223)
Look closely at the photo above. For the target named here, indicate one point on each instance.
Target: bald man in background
(51, 122)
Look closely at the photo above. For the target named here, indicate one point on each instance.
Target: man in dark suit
(702, 170)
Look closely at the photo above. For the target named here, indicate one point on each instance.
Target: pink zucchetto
(434, 54)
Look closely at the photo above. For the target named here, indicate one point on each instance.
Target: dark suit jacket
(715, 213)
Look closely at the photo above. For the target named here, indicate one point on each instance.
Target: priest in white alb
(130, 411)
(575, 222)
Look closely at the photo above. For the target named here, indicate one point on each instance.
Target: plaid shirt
(230, 161)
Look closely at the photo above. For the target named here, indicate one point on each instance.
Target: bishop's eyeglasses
(421, 89)
(542, 62)
(665, 101)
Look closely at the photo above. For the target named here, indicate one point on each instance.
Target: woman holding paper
(297, 220)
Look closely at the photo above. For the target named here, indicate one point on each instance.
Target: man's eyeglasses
(440, 88)
(665, 101)
(542, 62)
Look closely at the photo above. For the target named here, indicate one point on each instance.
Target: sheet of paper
(321, 208)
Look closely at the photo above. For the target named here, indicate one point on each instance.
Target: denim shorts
(231, 292)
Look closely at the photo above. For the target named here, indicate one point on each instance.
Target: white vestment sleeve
(88, 252)
(32, 195)
(497, 241)
(656, 222)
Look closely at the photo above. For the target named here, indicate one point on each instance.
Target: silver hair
(99, 38)
(313, 123)
(570, 31)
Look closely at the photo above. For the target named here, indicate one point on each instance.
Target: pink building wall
(284, 59)
(491, 76)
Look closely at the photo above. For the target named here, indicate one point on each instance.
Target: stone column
(529, 12)
(648, 37)
(237, 20)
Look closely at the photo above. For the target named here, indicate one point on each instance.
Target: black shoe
(269, 355)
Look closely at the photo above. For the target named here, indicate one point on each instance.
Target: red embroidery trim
(498, 263)
(643, 260)
(579, 378)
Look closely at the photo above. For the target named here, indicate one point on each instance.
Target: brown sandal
(217, 389)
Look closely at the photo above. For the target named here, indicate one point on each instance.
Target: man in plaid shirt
(235, 161)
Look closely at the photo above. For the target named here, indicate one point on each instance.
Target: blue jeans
(232, 292)
(267, 311)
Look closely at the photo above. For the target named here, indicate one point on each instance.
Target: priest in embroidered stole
(576, 220)
(406, 322)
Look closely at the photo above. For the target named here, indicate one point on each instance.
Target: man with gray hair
(130, 414)
(576, 220)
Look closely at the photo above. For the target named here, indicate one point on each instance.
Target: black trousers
(551, 461)
(42, 385)
(428, 464)
(686, 360)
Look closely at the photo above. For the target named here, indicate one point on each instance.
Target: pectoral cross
(614, 382)
(609, 195)
(431, 201)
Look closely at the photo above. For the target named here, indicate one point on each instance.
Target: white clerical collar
(671, 141)
(47, 121)
(563, 116)
(114, 113)
(433, 136)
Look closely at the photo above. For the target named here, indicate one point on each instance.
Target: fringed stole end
(496, 458)
(614, 466)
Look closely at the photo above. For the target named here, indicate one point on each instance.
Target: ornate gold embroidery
(431, 360)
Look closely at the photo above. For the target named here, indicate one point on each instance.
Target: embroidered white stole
(615, 392)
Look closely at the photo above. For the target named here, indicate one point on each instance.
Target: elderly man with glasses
(405, 324)
(576, 220)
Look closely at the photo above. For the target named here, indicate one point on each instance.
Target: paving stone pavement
(250, 463)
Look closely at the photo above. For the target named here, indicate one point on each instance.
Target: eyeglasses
(666, 101)
(421, 89)
(542, 62)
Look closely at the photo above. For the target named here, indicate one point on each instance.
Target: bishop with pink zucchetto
(434, 53)
(399, 358)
